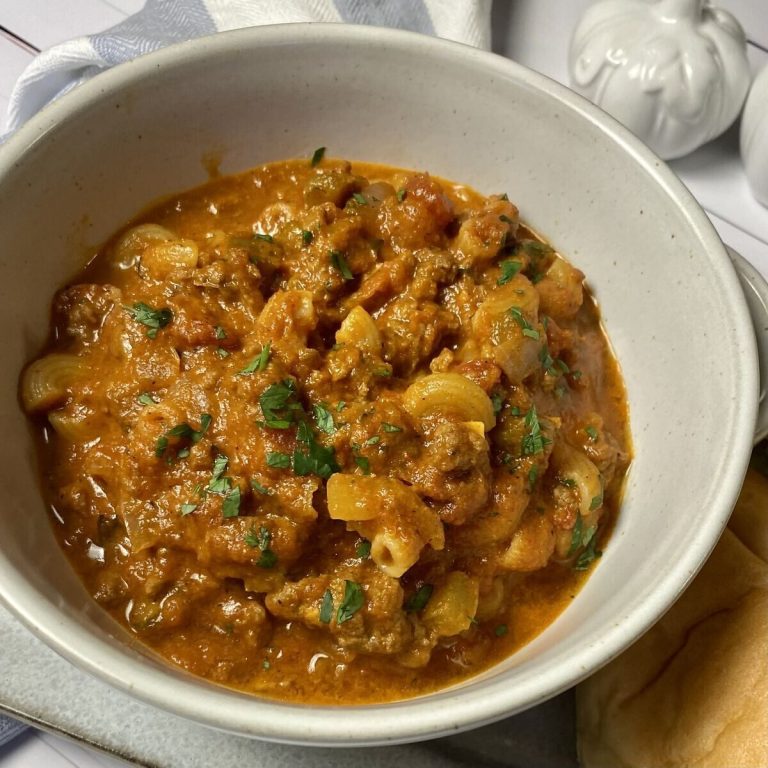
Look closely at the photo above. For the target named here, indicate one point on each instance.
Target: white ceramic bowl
(671, 302)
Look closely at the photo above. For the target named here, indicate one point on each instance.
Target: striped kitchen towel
(163, 22)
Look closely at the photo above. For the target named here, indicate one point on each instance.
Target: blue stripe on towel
(406, 14)
(160, 23)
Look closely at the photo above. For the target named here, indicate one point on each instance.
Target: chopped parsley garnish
(183, 431)
(146, 399)
(592, 432)
(279, 460)
(221, 352)
(501, 630)
(339, 262)
(515, 410)
(375, 440)
(509, 268)
(533, 441)
(317, 156)
(520, 319)
(351, 603)
(497, 400)
(265, 238)
(261, 540)
(533, 476)
(187, 509)
(306, 236)
(340, 406)
(596, 503)
(154, 319)
(401, 194)
(390, 427)
(323, 419)
(384, 372)
(218, 483)
(363, 549)
(581, 536)
(317, 460)
(279, 404)
(568, 482)
(231, 505)
(359, 199)
(588, 556)
(576, 375)
(260, 362)
(419, 598)
(363, 463)
(326, 607)
(547, 361)
(220, 333)
(259, 488)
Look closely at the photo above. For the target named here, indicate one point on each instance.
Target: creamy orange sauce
(330, 433)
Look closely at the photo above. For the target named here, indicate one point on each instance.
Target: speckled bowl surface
(671, 303)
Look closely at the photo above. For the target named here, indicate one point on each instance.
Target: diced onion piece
(572, 464)
(453, 605)
(132, 244)
(358, 330)
(48, 381)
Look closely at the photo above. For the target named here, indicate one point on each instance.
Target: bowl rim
(451, 710)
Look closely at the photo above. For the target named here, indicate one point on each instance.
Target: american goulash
(330, 432)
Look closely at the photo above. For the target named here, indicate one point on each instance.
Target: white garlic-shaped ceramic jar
(675, 72)
(754, 137)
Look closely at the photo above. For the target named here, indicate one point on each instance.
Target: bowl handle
(756, 293)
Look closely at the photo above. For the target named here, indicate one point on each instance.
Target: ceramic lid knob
(754, 137)
(675, 72)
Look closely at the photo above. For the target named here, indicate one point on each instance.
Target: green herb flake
(340, 263)
(160, 445)
(265, 238)
(323, 419)
(509, 268)
(221, 352)
(340, 406)
(401, 195)
(596, 503)
(533, 476)
(363, 463)
(351, 603)
(306, 236)
(318, 460)
(231, 505)
(146, 399)
(278, 460)
(363, 549)
(220, 333)
(382, 372)
(418, 600)
(188, 509)
(576, 375)
(568, 482)
(588, 556)
(515, 410)
(317, 156)
(257, 487)
(521, 320)
(359, 199)
(533, 441)
(592, 433)
(260, 362)
(501, 630)
(326, 607)
(261, 539)
(497, 400)
(375, 440)
(154, 319)
(390, 427)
